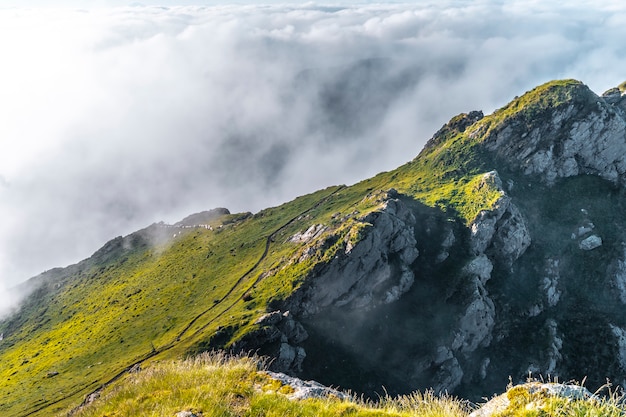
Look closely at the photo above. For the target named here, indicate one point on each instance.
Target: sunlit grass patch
(219, 385)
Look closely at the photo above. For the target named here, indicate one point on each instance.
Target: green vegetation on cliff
(164, 292)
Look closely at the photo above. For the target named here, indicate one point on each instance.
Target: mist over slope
(497, 252)
(115, 118)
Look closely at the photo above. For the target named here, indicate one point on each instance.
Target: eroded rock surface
(420, 301)
(375, 271)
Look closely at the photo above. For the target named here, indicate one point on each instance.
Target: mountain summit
(500, 251)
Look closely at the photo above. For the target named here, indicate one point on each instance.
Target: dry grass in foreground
(212, 385)
(218, 385)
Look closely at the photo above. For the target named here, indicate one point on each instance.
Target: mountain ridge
(355, 270)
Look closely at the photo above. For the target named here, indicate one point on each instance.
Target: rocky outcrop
(279, 334)
(530, 397)
(375, 270)
(529, 286)
(585, 135)
(501, 230)
(619, 276)
(302, 390)
(590, 243)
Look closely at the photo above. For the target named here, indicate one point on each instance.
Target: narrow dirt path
(268, 241)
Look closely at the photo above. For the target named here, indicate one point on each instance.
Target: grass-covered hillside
(163, 292)
(215, 385)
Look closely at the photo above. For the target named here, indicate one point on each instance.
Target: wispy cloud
(115, 118)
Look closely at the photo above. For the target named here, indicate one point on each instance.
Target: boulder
(590, 243)
(529, 397)
(303, 390)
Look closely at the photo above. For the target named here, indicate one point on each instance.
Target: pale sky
(117, 117)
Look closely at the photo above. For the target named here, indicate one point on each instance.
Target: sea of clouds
(114, 118)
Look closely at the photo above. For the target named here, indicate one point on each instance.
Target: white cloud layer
(116, 118)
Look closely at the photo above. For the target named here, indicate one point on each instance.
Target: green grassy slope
(216, 385)
(139, 299)
(219, 386)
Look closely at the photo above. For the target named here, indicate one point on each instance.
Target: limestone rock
(290, 357)
(512, 237)
(620, 336)
(594, 143)
(481, 267)
(269, 319)
(550, 282)
(502, 229)
(292, 330)
(310, 234)
(186, 414)
(619, 277)
(554, 347)
(448, 377)
(590, 243)
(282, 334)
(303, 390)
(534, 390)
(476, 323)
(363, 277)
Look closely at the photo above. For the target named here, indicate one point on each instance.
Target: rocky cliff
(499, 251)
(533, 284)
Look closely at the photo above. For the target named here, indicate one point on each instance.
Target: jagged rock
(303, 390)
(550, 282)
(594, 141)
(290, 357)
(292, 330)
(620, 335)
(269, 319)
(310, 234)
(481, 267)
(512, 237)
(363, 277)
(447, 243)
(476, 323)
(612, 95)
(483, 227)
(448, 377)
(534, 391)
(555, 346)
(281, 334)
(619, 277)
(442, 354)
(502, 229)
(590, 243)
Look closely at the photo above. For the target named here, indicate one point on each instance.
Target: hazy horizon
(117, 117)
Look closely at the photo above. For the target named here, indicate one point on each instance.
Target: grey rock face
(619, 278)
(550, 282)
(303, 390)
(363, 277)
(594, 143)
(507, 304)
(278, 328)
(448, 376)
(311, 233)
(503, 229)
(590, 243)
(500, 403)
